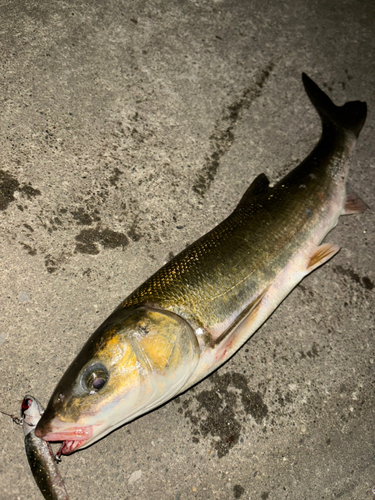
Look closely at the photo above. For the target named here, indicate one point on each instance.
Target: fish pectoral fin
(353, 204)
(255, 307)
(248, 315)
(321, 254)
(259, 185)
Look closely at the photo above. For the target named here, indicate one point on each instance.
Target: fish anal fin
(321, 255)
(353, 204)
(259, 185)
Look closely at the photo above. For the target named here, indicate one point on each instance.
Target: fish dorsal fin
(259, 185)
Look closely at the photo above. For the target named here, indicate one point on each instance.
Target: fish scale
(243, 251)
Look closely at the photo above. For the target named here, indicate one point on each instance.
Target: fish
(39, 453)
(195, 312)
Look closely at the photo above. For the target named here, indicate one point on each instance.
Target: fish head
(136, 360)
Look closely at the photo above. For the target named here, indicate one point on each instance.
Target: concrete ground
(127, 130)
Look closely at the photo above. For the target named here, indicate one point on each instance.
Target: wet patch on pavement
(88, 240)
(222, 137)
(238, 491)
(365, 282)
(9, 185)
(217, 413)
(88, 208)
(84, 218)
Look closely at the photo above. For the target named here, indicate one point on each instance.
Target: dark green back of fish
(208, 281)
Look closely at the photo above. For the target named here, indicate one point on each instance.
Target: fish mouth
(69, 446)
(72, 437)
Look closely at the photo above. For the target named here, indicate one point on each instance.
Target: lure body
(39, 453)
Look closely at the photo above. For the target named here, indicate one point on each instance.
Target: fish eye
(26, 403)
(95, 377)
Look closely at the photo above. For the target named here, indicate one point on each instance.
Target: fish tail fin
(351, 116)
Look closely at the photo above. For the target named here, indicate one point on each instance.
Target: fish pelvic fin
(350, 117)
(321, 254)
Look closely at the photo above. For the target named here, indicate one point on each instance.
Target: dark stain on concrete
(88, 240)
(368, 284)
(133, 232)
(238, 491)
(222, 137)
(219, 411)
(30, 250)
(252, 401)
(221, 421)
(9, 185)
(284, 399)
(57, 221)
(50, 263)
(365, 282)
(265, 495)
(313, 352)
(29, 191)
(115, 176)
(83, 218)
